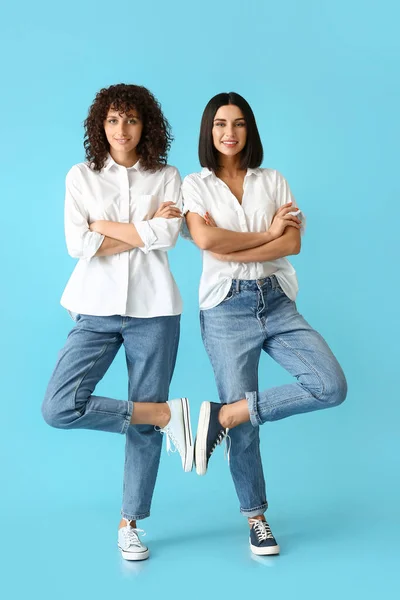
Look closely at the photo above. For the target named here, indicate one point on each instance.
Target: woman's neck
(229, 167)
(125, 159)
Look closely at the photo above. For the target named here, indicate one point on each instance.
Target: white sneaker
(129, 543)
(179, 431)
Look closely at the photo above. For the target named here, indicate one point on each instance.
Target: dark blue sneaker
(262, 541)
(210, 434)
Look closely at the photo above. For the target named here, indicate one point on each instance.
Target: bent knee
(54, 416)
(335, 391)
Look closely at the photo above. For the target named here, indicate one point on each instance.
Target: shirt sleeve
(160, 233)
(192, 202)
(285, 195)
(81, 242)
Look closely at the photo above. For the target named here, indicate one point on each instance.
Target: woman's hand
(96, 226)
(282, 219)
(209, 220)
(167, 210)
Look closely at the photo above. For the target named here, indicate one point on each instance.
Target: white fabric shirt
(265, 190)
(136, 283)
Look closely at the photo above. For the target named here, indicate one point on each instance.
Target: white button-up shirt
(135, 283)
(264, 191)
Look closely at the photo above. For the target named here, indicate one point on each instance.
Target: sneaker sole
(201, 439)
(268, 551)
(188, 463)
(134, 555)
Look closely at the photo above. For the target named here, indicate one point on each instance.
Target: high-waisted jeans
(256, 315)
(150, 347)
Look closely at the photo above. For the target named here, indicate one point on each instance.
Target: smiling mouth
(229, 144)
(121, 141)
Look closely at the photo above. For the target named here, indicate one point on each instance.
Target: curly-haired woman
(246, 222)
(122, 215)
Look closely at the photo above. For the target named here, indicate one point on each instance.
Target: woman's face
(123, 130)
(229, 130)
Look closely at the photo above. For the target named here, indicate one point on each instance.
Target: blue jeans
(256, 315)
(150, 348)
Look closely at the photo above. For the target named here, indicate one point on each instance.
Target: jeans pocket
(278, 288)
(229, 295)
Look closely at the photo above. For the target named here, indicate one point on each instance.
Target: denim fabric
(256, 315)
(150, 348)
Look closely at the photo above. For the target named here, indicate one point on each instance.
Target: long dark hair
(252, 153)
(156, 136)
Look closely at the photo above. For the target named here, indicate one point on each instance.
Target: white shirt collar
(206, 172)
(256, 172)
(111, 162)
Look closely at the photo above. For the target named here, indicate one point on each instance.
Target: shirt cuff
(193, 207)
(92, 243)
(147, 234)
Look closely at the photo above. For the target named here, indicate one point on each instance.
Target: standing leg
(233, 340)
(151, 346)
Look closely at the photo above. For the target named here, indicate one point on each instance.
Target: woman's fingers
(169, 213)
(209, 220)
(291, 218)
(285, 207)
(172, 216)
(293, 224)
(166, 206)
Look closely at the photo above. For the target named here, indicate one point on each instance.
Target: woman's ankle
(124, 522)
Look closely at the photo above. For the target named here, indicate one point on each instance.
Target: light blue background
(323, 80)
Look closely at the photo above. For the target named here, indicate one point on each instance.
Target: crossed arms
(281, 239)
(159, 233)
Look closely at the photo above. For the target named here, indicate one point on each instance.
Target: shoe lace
(172, 443)
(262, 529)
(132, 535)
(223, 435)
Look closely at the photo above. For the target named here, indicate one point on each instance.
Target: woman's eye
(219, 124)
(132, 121)
(112, 121)
(241, 124)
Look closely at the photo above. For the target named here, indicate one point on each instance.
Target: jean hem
(128, 417)
(133, 517)
(255, 418)
(254, 512)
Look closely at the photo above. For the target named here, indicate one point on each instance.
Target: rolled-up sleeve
(284, 195)
(160, 233)
(192, 202)
(81, 242)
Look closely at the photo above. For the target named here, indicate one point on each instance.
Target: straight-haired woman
(246, 222)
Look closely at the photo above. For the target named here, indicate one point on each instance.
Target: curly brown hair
(156, 137)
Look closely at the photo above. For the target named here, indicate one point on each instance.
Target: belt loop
(237, 285)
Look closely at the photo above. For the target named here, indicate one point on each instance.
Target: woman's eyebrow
(118, 116)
